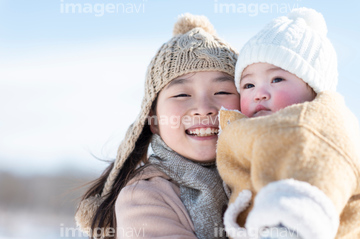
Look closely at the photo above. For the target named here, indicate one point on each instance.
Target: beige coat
(150, 207)
(315, 142)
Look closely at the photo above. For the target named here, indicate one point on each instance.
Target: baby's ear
(227, 116)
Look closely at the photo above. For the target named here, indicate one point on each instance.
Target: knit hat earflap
(193, 48)
(296, 43)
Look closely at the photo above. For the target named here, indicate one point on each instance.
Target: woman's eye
(181, 95)
(277, 79)
(222, 93)
(248, 86)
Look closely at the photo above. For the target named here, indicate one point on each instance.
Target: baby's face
(265, 89)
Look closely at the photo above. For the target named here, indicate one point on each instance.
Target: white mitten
(232, 229)
(296, 205)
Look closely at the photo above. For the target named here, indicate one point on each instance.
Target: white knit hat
(296, 43)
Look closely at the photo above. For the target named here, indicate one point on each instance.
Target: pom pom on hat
(187, 22)
(313, 19)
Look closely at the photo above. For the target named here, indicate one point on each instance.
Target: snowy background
(71, 82)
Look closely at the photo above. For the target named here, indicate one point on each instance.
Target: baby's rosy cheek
(244, 105)
(283, 100)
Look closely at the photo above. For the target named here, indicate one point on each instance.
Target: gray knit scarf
(201, 188)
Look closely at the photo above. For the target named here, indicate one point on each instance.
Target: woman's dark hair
(105, 214)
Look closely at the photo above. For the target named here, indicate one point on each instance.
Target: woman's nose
(204, 107)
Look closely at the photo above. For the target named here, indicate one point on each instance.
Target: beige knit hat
(194, 47)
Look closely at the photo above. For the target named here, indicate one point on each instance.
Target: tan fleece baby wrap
(316, 142)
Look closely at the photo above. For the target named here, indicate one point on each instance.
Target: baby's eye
(181, 95)
(222, 93)
(248, 86)
(277, 79)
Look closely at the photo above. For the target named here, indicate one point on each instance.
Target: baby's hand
(294, 205)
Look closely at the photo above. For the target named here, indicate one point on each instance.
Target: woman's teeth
(202, 132)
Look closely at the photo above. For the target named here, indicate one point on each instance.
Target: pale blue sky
(71, 83)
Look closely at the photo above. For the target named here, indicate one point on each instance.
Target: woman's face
(187, 109)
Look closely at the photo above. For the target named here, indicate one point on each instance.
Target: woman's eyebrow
(182, 81)
(223, 79)
(179, 81)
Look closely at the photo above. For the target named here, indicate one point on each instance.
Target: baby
(298, 161)
(265, 89)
